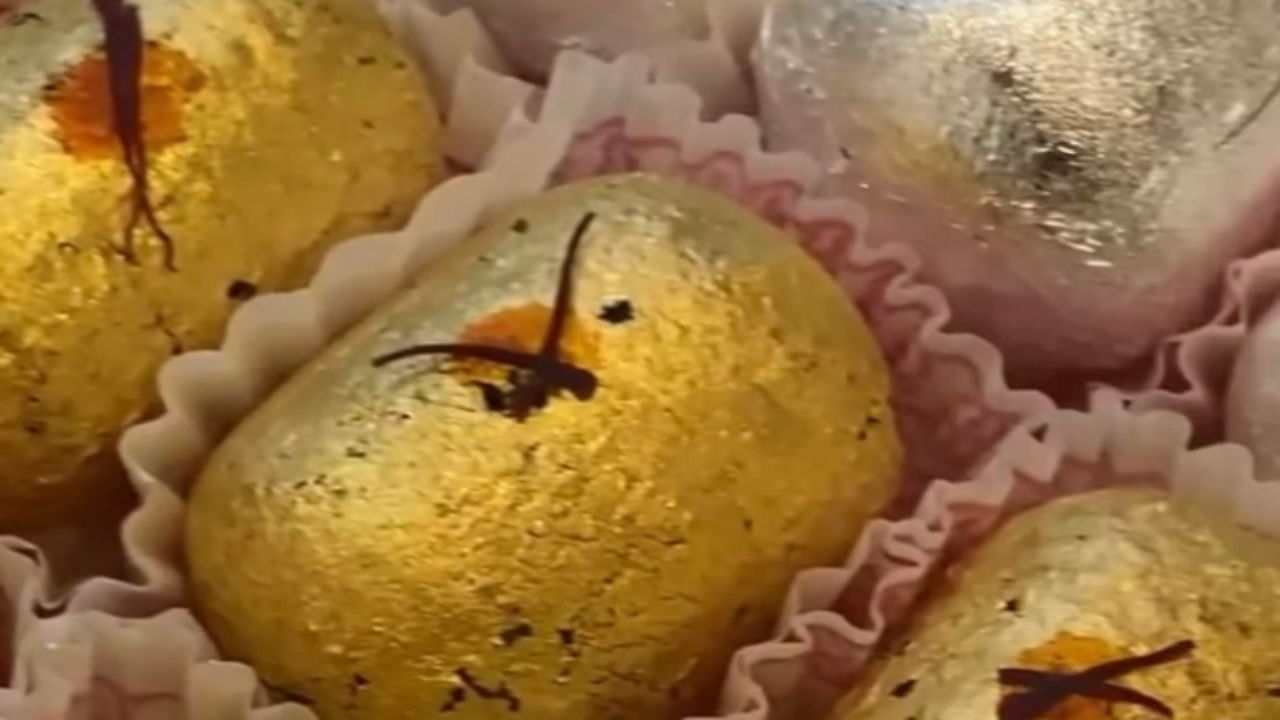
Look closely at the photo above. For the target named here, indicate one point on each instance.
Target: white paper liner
(835, 616)
(1192, 372)
(91, 666)
(478, 91)
(598, 118)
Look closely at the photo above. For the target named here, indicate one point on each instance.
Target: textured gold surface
(377, 541)
(1085, 580)
(275, 127)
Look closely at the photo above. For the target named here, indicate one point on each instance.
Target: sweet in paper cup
(835, 618)
(594, 118)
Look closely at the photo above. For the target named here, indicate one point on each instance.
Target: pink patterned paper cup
(91, 666)
(835, 617)
(479, 89)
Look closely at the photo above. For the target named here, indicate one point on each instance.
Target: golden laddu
(1121, 604)
(160, 162)
(568, 472)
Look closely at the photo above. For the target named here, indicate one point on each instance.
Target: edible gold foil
(273, 129)
(376, 541)
(1086, 580)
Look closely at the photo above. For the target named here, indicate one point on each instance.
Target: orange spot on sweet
(81, 104)
(1068, 653)
(523, 327)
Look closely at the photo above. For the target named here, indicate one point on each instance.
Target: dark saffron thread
(122, 27)
(534, 377)
(1046, 690)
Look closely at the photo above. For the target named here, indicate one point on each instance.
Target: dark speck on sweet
(514, 634)
(1273, 691)
(241, 290)
(457, 696)
(618, 312)
(500, 693)
(903, 689)
(1003, 77)
(1012, 605)
(520, 226)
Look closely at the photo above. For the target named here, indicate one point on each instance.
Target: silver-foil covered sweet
(1075, 172)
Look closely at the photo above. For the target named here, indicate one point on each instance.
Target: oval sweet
(532, 32)
(1118, 603)
(160, 162)
(1076, 173)
(564, 482)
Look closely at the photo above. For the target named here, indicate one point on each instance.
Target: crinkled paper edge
(478, 90)
(94, 665)
(834, 617)
(1192, 371)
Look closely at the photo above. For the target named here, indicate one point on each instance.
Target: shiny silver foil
(1075, 172)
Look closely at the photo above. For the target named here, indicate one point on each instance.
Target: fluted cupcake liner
(479, 90)
(1192, 372)
(92, 665)
(835, 617)
(594, 119)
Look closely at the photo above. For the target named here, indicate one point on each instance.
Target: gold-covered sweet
(1115, 605)
(267, 129)
(580, 528)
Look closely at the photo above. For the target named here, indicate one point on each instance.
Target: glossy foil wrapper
(1114, 575)
(1076, 173)
(271, 129)
(386, 542)
(532, 32)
